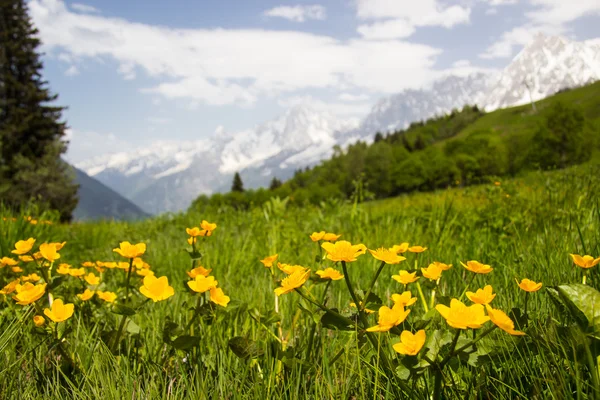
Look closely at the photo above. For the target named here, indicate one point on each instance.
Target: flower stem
(362, 306)
(422, 296)
(127, 280)
(467, 287)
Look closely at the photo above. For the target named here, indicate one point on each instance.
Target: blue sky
(134, 72)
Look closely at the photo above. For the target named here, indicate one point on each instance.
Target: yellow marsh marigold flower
(410, 344)
(193, 232)
(406, 277)
(110, 264)
(123, 265)
(109, 297)
(433, 272)
(63, 269)
(10, 287)
(58, 246)
(460, 316)
(417, 249)
(38, 320)
(23, 246)
(290, 269)
(17, 270)
(29, 293)
(31, 277)
(218, 297)
(59, 311)
(585, 261)
(207, 226)
(191, 240)
(49, 252)
(529, 285)
(92, 279)
(88, 264)
(387, 256)
(331, 237)
(129, 250)
(199, 271)
(400, 248)
(268, 261)
(502, 321)
(316, 236)
(140, 264)
(388, 318)
(404, 300)
(444, 267)
(330, 273)
(86, 295)
(77, 272)
(157, 289)
(353, 304)
(26, 258)
(202, 283)
(482, 296)
(37, 255)
(477, 267)
(343, 250)
(144, 272)
(292, 282)
(4, 261)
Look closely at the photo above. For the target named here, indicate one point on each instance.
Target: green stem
(362, 307)
(422, 296)
(127, 280)
(467, 287)
(477, 339)
(187, 327)
(322, 307)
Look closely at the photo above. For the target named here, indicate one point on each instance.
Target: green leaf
(185, 342)
(333, 321)
(244, 347)
(170, 329)
(435, 342)
(55, 282)
(583, 303)
(194, 255)
(373, 301)
(132, 327)
(123, 310)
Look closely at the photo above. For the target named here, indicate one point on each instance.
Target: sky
(136, 72)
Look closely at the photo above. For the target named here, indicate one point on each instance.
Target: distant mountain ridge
(169, 175)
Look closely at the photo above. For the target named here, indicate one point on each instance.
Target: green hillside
(462, 148)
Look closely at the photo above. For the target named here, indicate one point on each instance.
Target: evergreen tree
(378, 137)
(275, 183)
(31, 129)
(237, 185)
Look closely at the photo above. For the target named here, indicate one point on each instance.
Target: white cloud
(400, 18)
(298, 13)
(339, 109)
(353, 97)
(85, 145)
(84, 8)
(232, 66)
(72, 71)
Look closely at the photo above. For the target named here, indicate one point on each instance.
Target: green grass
(524, 228)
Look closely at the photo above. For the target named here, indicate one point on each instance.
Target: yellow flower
(202, 283)
(129, 250)
(482, 296)
(123, 265)
(191, 240)
(63, 269)
(330, 273)
(502, 321)
(86, 295)
(140, 264)
(497, 183)
(109, 264)
(198, 271)
(292, 282)
(144, 272)
(290, 269)
(529, 286)
(585, 261)
(417, 249)
(58, 246)
(433, 272)
(331, 237)
(59, 311)
(460, 316)
(444, 267)
(38, 255)
(477, 267)
(207, 226)
(10, 287)
(4, 261)
(400, 248)
(29, 293)
(406, 277)
(387, 256)
(193, 232)
(38, 320)
(109, 297)
(49, 252)
(316, 236)
(26, 258)
(268, 261)
(404, 300)
(343, 251)
(410, 344)
(77, 272)
(388, 318)
(92, 279)
(218, 297)
(23, 246)
(31, 277)
(17, 270)
(353, 304)
(88, 264)
(157, 289)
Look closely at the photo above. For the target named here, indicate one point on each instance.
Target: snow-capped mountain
(169, 175)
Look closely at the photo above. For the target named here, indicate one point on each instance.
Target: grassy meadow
(316, 346)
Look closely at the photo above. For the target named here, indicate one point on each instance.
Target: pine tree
(237, 185)
(275, 183)
(31, 130)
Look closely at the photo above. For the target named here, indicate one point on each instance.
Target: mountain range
(168, 176)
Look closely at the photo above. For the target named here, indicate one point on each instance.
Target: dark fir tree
(237, 185)
(31, 128)
(275, 183)
(378, 137)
